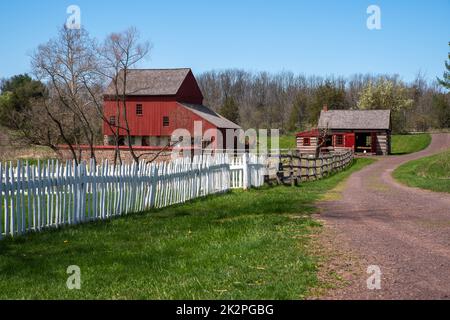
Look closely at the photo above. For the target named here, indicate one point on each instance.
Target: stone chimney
(325, 108)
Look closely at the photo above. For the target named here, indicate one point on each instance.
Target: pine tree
(441, 105)
(297, 117)
(230, 110)
(445, 81)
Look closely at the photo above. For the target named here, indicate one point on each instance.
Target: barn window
(306, 141)
(166, 121)
(139, 110)
(339, 140)
(112, 120)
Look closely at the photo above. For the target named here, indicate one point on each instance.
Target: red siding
(150, 123)
(189, 91)
(155, 108)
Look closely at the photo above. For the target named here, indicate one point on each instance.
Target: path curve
(405, 231)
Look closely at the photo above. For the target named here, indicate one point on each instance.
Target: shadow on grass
(201, 238)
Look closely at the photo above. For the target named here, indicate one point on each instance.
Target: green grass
(432, 173)
(240, 245)
(288, 141)
(33, 161)
(404, 144)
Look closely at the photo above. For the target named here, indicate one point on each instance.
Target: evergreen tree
(330, 94)
(17, 94)
(441, 104)
(297, 117)
(445, 81)
(230, 110)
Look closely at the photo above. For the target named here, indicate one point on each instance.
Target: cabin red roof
(310, 133)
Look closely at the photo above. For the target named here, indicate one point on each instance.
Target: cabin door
(350, 141)
(374, 142)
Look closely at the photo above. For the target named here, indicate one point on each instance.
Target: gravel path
(405, 231)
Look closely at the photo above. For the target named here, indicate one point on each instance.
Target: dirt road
(405, 231)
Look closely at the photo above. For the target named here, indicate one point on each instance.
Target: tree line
(293, 102)
(63, 102)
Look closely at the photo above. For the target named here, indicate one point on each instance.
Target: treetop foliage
(445, 81)
(294, 102)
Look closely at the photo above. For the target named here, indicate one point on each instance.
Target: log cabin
(363, 131)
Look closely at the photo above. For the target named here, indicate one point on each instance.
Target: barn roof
(355, 119)
(151, 82)
(211, 116)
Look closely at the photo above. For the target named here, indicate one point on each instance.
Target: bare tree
(119, 53)
(63, 63)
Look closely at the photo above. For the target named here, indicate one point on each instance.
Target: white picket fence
(33, 198)
(247, 170)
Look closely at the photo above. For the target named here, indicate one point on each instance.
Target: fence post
(280, 171)
(299, 169)
(321, 167)
(1, 203)
(6, 200)
(245, 171)
(291, 168)
(302, 167)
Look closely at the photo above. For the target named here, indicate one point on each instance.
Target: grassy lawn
(288, 141)
(404, 144)
(30, 153)
(240, 245)
(431, 173)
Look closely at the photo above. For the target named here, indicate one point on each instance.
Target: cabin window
(306, 141)
(339, 140)
(369, 140)
(112, 120)
(139, 110)
(166, 121)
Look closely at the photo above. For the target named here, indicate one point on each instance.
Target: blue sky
(322, 37)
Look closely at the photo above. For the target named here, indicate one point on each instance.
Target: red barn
(159, 101)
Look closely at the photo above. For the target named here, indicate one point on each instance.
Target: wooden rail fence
(294, 169)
